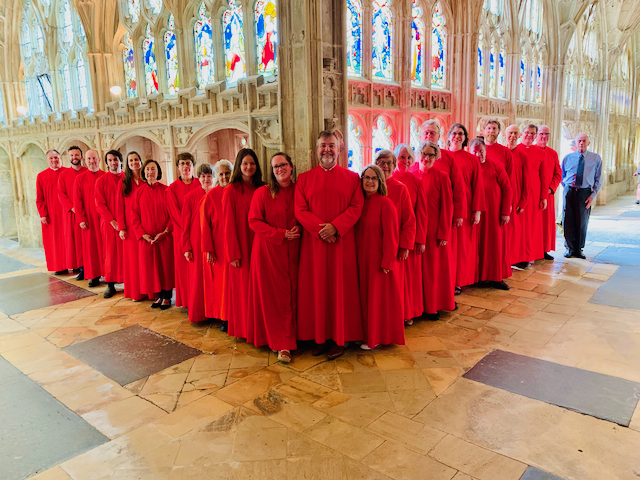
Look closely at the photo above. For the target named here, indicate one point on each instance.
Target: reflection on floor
(401, 412)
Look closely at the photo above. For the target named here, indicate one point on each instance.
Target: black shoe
(637, 202)
(94, 282)
(432, 316)
(456, 306)
(110, 291)
(580, 255)
(165, 307)
(457, 291)
(321, 348)
(547, 256)
(568, 254)
(61, 272)
(224, 327)
(80, 275)
(500, 285)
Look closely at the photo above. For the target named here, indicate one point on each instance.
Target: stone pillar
(464, 87)
(553, 92)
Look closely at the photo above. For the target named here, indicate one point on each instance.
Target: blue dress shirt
(592, 177)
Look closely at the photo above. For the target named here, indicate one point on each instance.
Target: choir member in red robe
(52, 214)
(151, 224)
(192, 245)
(84, 199)
(129, 183)
(273, 287)
(216, 268)
(72, 231)
(236, 200)
(328, 204)
(177, 191)
(538, 191)
(412, 286)
(518, 180)
(493, 237)
(467, 234)
(553, 173)
(107, 193)
(377, 243)
(437, 274)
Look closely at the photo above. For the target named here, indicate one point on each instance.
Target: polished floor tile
(621, 290)
(9, 264)
(534, 473)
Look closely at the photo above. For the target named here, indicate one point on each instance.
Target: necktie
(580, 173)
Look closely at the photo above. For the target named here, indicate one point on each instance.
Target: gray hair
(221, 163)
(396, 152)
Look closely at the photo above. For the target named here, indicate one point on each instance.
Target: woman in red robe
(216, 268)
(151, 224)
(176, 193)
(236, 201)
(273, 287)
(192, 245)
(380, 278)
(437, 274)
(493, 234)
(412, 286)
(467, 235)
(127, 188)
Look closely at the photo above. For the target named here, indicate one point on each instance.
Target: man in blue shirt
(582, 179)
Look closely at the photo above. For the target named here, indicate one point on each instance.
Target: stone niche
(8, 222)
(31, 162)
(219, 145)
(148, 149)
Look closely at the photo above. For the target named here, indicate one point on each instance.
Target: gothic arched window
(128, 58)
(150, 64)
(133, 10)
(492, 6)
(171, 57)
(267, 36)
(438, 48)
(354, 155)
(382, 135)
(82, 83)
(522, 88)
(154, 6)
(414, 134)
(354, 37)
(493, 71)
(382, 41)
(480, 66)
(65, 23)
(232, 27)
(204, 48)
(539, 81)
(417, 44)
(533, 15)
(67, 97)
(502, 85)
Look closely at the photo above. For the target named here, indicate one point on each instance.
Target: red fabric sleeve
(187, 218)
(545, 177)
(556, 176)
(524, 189)
(389, 219)
(66, 198)
(41, 202)
(477, 188)
(407, 219)
(102, 207)
(120, 215)
(508, 165)
(309, 221)
(206, 218)
(232, 244)
(136, 223)
(422, 215)
(347, 219)
(172, 202)
(459, 196)
(505, 186)
(446, 206)
(257, 221)
(78, 199)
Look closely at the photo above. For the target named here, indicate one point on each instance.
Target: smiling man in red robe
(518, 179)
(72, 232)
(328, 203)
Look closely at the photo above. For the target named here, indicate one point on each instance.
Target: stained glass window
(417, 44)
(354, 37)
(381, 47)
(39, 43)
(414, 135)
(492, 5)
(522, 91)
(532, 76)
(82, 83)
(438, 48)
(533, 15)
(171, 57)
(154, 6)
(381, 135)
(204, 48)
(232, 21)
(539, 83)
(480, 80)
(133, 9)
(492, 71)
(502, 93)
(150, 64)
(66, 102)
(267, 36)
(128, 58)
(26, 40)
(66, 25)
(354, 155)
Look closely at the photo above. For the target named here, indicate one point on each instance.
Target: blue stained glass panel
(266, 36)
(232, 21)
(381, 48)
(438, 48)
(354, 155)
(204, 48)
(417, 45)
(538, 84)
(492, 72)
(354, 37)
(501, 74)
(532, 91)
(150, 64)
(522, 93)
(171, 57)
(480, 82)
(128, 58)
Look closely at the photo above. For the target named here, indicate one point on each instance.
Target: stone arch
(30, 162)
(216, 142)
(8, 221)
(148, 148)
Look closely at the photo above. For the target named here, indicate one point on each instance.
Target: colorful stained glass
(66, 23)
(82, 83)
(154, 6)
(354, 155)
(67, 96)
(414, 135)
(150, 64)
(522, 91)
(171, 57)
(492, 72)
(382, 41)
(538, 83)
(266, 36)
(502, 93)
(480, 79)
(438, 48)
(382, 134)
(354, 37)
(417, 44)
(133, 9)
(204, 48)
(232, 21)
(532, 91)
(128, 58)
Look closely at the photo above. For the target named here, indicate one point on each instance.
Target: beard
(327, 160)
(75, 161)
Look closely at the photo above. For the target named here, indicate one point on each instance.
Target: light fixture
(116, 90)
(22, 110)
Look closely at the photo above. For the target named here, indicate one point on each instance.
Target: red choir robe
(493, 239)
(437, 274)
(191, 241)
(213, 241)
(130, 245)
(518, 179)
(236, 201)
(72, 231)
(273, 287)
(553, 173)
(150, 215)
(412, 284)
(377, 246)
(176, 193)
(328, 292)
(84, 200)
(538, 189)
(53, 234)
(106, 191)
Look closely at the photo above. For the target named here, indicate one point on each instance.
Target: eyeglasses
(185, 164)
(282, 165)
(457, 134)
(366, 177)
(380, 163)
(429, 155)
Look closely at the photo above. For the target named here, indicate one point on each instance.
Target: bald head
(582, 140)
(93, 160)
(543, 136)
(512, 133)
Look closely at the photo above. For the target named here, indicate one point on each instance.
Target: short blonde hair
(382, 184)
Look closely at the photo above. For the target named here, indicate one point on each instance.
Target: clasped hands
(328, 233)
(159, 237)
(293, 233)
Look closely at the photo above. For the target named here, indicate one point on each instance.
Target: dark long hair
(127, 180)
(274, 186)
(236, 176)
(466, 134)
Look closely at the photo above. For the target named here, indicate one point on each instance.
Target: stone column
(553, 92)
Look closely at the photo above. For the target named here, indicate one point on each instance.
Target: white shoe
(364, 346)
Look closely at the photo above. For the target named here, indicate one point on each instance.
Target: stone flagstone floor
(398, 412)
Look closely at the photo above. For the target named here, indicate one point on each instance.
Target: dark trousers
(575, 218)
(166, 294)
